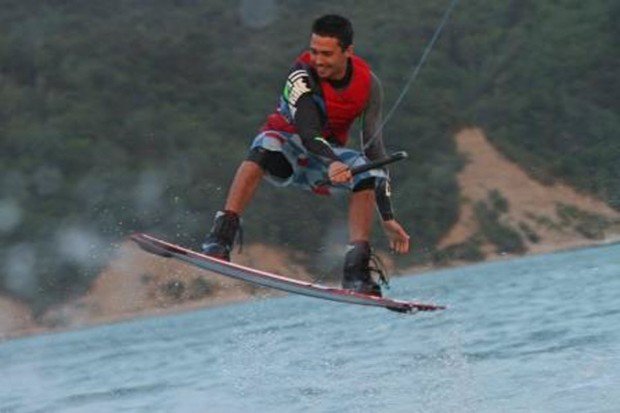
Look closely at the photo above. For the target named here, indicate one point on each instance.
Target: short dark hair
(333, 25)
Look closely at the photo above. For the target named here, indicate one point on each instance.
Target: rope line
(414, 73)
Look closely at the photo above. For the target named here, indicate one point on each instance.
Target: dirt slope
(15, 318)
(548, 218)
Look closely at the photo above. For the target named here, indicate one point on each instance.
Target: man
(327, 88)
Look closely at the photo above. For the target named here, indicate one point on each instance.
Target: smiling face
(328, 57)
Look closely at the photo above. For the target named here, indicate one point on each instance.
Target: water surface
(538, 334)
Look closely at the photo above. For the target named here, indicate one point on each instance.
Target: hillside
(544, 217)
(499, 198)
(125, 116)
(15, 318)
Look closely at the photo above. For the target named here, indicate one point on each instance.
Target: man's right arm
(374, 148)
(309, 125)
(308, 122)
(305, 113)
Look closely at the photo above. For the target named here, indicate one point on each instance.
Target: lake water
(538, 334)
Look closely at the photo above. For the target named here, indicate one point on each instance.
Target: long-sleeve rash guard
(309, 121)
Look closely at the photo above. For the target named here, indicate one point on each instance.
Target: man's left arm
(374, 148)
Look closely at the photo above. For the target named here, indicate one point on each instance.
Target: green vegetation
(544, 221)
(531, 235)
(497, 202)
(589, 225)
(122, 116)
(470, 250)
(505, 238)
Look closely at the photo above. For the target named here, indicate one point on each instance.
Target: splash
(10, 215)
(148, 192)
(80, 245)
(19, 267)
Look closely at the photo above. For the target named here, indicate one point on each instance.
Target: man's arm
(309, 122)
(372, 144)
(372, 135)
(304, 112)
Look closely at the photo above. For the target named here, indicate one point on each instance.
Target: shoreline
(234, 296)
(576, 246)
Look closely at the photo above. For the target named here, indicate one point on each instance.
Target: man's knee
(364, 184)
(274, 163)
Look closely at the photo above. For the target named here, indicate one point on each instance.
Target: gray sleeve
(373, 147)
(372, 135)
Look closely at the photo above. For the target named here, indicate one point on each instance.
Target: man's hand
(339, 173)
(399, 239)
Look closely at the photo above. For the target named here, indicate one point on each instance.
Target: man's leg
(356, 263)
(361, 213)
(247, 179)
(220, 240)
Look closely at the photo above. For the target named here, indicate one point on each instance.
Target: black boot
(219, 242)
(357, 270)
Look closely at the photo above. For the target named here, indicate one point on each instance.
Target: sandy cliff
(15, 318)
(548, 218)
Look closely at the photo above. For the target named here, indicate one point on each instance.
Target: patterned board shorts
(308, 169)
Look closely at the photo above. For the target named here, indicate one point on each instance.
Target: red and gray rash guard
(321, 112)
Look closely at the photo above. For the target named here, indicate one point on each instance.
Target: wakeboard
(265, 279)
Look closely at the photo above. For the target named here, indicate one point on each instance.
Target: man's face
(328, 57)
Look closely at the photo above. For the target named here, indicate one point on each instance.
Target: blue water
(539, 334)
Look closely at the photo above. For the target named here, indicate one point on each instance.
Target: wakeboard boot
(357, 270)
(219, 242)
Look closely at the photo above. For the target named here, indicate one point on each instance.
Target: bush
(505, 239)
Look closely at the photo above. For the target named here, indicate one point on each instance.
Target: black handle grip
(396, 156)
